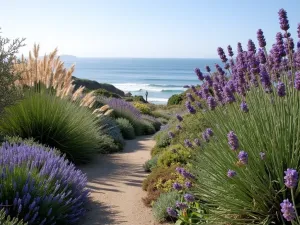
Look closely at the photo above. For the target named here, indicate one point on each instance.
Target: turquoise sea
(160, 77)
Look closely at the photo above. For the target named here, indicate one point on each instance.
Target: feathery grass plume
(50, 72)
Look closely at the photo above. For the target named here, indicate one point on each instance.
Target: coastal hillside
(94, 85)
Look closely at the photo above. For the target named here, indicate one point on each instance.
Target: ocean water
(160, 77)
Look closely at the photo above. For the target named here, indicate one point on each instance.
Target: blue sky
(143, 28)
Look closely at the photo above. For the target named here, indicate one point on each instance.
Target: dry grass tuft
(50, 71)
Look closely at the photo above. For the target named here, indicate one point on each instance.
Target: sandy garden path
(115, 181)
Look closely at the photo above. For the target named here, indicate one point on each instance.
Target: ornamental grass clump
(54, 122)
(40, 187)
(243, 172)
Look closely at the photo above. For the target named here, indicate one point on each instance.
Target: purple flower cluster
(189, 197)
(222, 55)
(185, 173)
(34, 180)
(231, 173)
(172, 212)
(181, 205)
(284, 22)
(179, 117)
(244, 107)
(291, 178)
(171, 134)
(199, 74)
(188, 143)
(177, 186)
(243, 157)
(233, 140)
(189, 107)
(288, 210)
(123, 108)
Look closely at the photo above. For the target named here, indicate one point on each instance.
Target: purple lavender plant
(197, 142)
(199, 74)
(288, 210)
(188, 184)
(41, 180)
(189, 107)
(179, 117)
(243, 157)
(177, 186)
(222, 55)
(181, 205)
(207, 68)
(189, 197)
(261, 38)
(172, 212)
(211, 103)
(244, 107)
(230, 52)
(233, 140)
(231, 173)
(190, 97)
(171, 134)
(284, 22)
(188, 143)
(281, 89)
(291, 178)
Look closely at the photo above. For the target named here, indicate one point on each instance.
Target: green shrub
(108, 145)
(157, 150)
(110, 127)
(156, 124)
(7, 220)
(143, 108)
(164, 201)
(162, 120)
(54, 122)
(148, 128)
(9, 93)
(175, 99)
(126, 128)
(162, 139)
(175, 155)
(161, 175)
(150, 164)
(108, 94)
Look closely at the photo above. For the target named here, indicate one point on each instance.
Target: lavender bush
(40, 187)
(243, 172)
(126, 110)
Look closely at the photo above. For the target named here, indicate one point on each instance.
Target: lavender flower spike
(291, 178)
(284, 22)
(230, 52)
(243, 157)
(187, 143)
(261, 39)
(281, 89)
(288, 210)
(190, 108)
(207, 68)
(244, 107)
(181, 205)
(297, 81)
(189, 197)
(211, 102)
(171, 134)
(209, 132)
(177, 186)
(233, 140)
(199, 74)
(172, 212)
(231, 173)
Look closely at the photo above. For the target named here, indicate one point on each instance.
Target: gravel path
(115, 181)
